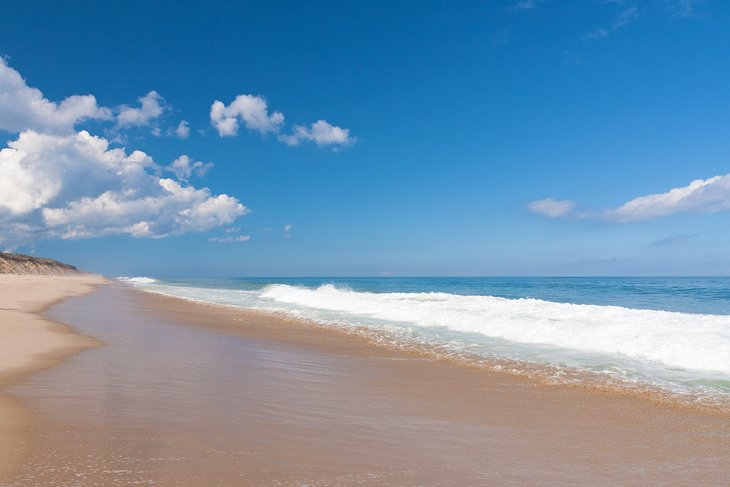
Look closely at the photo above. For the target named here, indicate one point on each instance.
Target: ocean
(666, 336)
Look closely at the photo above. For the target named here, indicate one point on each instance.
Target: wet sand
(240, 398)
(29, 342)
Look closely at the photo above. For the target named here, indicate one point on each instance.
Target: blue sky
(458, 138)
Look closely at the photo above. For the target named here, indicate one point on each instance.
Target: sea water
(669, 336)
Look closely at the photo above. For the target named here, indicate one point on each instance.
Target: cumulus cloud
(75, 186)
(23, 107)
(184, 167)
(59, 183)
(551, 208)
(183, 130)
(710, 195)
(240, 238)
(151, 107)
(252, 110)
(320, 132)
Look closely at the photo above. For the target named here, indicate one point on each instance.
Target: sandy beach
(322, 244)
(29, 342)
(191, 394)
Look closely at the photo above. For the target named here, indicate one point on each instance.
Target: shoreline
(30, 342)
(199, 389)
(311, 333)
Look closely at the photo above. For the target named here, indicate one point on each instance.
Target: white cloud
(151, 108)
(252, 110)
(232, 229)
(710, 195)
(240, 238)
(59, 183)
(700, 196)
(75, 186)
(183, 129)
(184, 167)
(23, 108)
(321, 133)
(551, 208)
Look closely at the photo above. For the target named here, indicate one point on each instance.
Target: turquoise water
(683, 294)
(671, 334)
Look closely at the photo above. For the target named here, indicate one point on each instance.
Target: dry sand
(29, 342)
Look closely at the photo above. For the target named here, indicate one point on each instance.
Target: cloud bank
(700, 196)
(57, 182)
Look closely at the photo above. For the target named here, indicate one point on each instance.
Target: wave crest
(137, 280)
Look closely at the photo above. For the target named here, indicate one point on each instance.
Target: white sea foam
(137, 280)
(688, 341)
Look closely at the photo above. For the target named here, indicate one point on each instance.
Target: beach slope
(29, 342)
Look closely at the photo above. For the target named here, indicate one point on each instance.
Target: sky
(317, 138)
